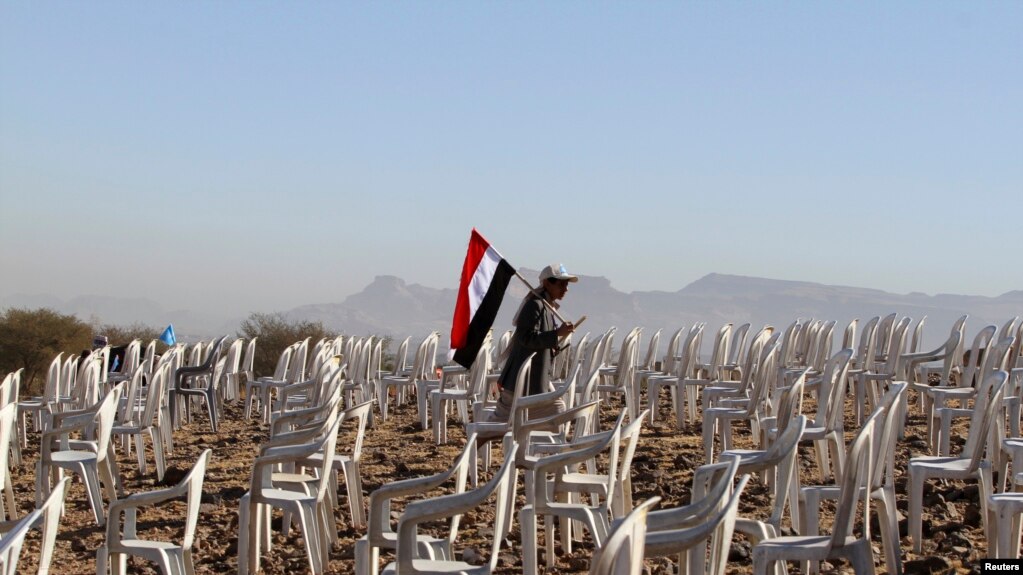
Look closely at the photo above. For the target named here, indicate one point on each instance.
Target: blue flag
(167, 336)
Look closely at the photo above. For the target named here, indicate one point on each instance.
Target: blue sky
(259, 156)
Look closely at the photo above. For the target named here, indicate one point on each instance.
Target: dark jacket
(535, 331)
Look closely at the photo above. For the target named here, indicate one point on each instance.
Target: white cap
(558, 272)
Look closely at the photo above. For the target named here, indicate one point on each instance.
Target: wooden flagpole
(543, 299)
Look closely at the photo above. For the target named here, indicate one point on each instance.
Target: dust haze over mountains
(391, 306)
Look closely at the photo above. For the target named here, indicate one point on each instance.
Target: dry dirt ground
(397, 448)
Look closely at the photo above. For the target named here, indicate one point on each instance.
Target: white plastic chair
(39, 406)
(379, 534)
(685, 368)
(7, 416)
(739, 389)
(970, 463)
(91, 459)
(711, 487)
(827, 430)
(426, 381)
(623, 552)
(1006, 511)
(205, 379)
(938, 398)
(464, 396)
(349, 465)
(9, 392)
(708, 373)
(47, 519)
(149, 420)
(409, 559)
(487, 431)
(881, 486)
(717, 420)
(310, 509)
(594, 483)
(841, 543)
(403, 382)
(259, 391)
(122, 539)
(716, 522)
(231, 375)
(891, 370)
(595, 517)
(245, 372)
(13, 541)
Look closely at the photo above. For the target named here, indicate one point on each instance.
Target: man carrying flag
(537, 330)
(485, 278)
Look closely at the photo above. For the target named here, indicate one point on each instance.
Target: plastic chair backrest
(685, 368)
(668, 364)
(650, 358)
(401, 357)
(194, 480)
(918, 336)
(457, 504)
(884, 449)
(234, 357)
(157, 387)
(865, 351)
(789, 344)
(737, 345)
(849, 335)
(765, 373)
(896, 343)
(989, 399)
(884, 336)
(14, 540)
(623, 552)
(678, 540)
(380, 511)
(822, 349)
(855, 475)
(195, 355)
(283, 361)
(7, 417)
(830, 397)
(68, 375)
(312, 362)
(53, 378)
(105, 417)
(131, 392)
(719, 354)
(982, 343)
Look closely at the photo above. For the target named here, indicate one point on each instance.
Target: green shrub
(275, 333)
(31, 338)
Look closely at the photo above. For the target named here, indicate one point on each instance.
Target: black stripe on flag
(485, 315)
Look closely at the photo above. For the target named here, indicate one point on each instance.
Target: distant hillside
(390, 306)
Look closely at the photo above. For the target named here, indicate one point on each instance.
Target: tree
(275, 333)
(124, 334)
(30, 339)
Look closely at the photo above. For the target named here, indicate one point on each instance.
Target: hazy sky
(263, 155)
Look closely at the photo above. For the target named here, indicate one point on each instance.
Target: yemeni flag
(485, 277)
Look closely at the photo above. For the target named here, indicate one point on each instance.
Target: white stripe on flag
(481, 279)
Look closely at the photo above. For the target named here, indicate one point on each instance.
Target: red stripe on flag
(460, 323)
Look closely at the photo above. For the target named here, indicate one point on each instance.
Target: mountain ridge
(389, 305)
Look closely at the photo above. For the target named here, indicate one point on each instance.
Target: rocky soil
(397, 448)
